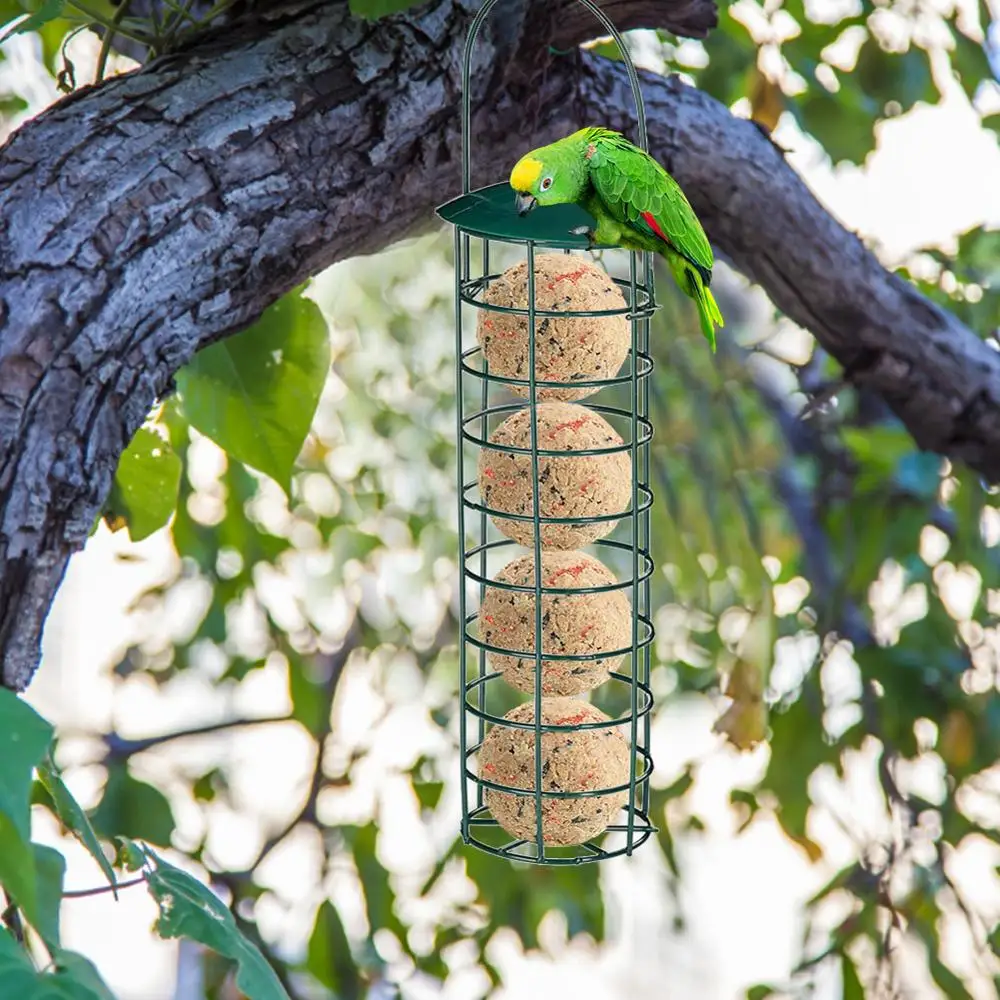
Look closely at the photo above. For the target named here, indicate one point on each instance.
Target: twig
(11, 919)
(817, 402)
(335, 663)
(119, 748)
(81, 893)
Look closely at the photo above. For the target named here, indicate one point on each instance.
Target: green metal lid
(490, 212)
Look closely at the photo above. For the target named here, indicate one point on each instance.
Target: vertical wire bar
(646, 603)
(484, 403)
(462, 644)
(634, 387)
(536, 524)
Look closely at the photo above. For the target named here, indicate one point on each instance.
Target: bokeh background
(312, 636)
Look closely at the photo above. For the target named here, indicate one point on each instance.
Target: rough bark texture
(164, 210)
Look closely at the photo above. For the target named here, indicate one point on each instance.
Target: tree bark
(164, 210)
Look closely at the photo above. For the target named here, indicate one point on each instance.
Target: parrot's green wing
(637, 191)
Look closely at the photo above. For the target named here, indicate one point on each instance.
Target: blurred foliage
(823, 585)
(838, 69)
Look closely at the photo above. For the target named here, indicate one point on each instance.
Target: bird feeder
(555, 780)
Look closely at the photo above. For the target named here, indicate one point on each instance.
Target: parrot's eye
(546, 183)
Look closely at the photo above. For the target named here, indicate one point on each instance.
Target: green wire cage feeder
(556, 780)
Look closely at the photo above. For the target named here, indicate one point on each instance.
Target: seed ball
(570, 349)
(572, 761)
(577, 624)
(577, 486)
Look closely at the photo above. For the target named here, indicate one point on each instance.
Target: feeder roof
(490, 212)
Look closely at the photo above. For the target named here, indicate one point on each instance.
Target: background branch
(120, 748)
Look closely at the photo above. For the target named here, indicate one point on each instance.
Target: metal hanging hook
(470, 42)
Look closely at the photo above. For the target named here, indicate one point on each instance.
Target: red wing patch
(655, 226)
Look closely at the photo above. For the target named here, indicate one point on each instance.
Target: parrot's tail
(708, 313)
(692, 284)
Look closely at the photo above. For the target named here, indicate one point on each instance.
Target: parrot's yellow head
(526, 180)
(550, 175)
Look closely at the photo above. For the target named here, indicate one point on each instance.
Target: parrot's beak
(524, 203)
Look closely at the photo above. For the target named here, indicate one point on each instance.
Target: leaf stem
(109, 34)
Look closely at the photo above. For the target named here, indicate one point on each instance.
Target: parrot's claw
(585, 231)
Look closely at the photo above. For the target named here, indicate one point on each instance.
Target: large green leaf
(189, 909)
(72, 816)
(17, 868)
(49, 10)
(24, 737)
(255, 394)
(373, 9)
(73, 978)
(76, 967)
(132, 808)
(144, 492)
(329, 956)
(50, 867)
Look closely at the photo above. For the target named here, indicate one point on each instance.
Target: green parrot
(635, 202)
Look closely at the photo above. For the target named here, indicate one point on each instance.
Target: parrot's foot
(585, 231)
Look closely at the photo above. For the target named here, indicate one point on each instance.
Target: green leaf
(72, 816)
(428, 792)
(904, 77)
(797, 749)
(970, 63)
(255, 394)
(607, 48)
(11, 104)
(852, 988)
(760, 992)
(129, 855)
(79, 968)
(374, 9)
(189, 909)
(329, 956)
(841, 122)
(48, 11)
(24, 737)
(131, 808)
(74, 977)
(144, 491)
(17, 868)
(310, 704)
(379, 897)
(951, 985)
(520, 896)
(50, 867)
(731, 58)
(348, 543)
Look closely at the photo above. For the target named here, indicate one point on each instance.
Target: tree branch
(120, 748)
(166, 209)
(573, 24)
